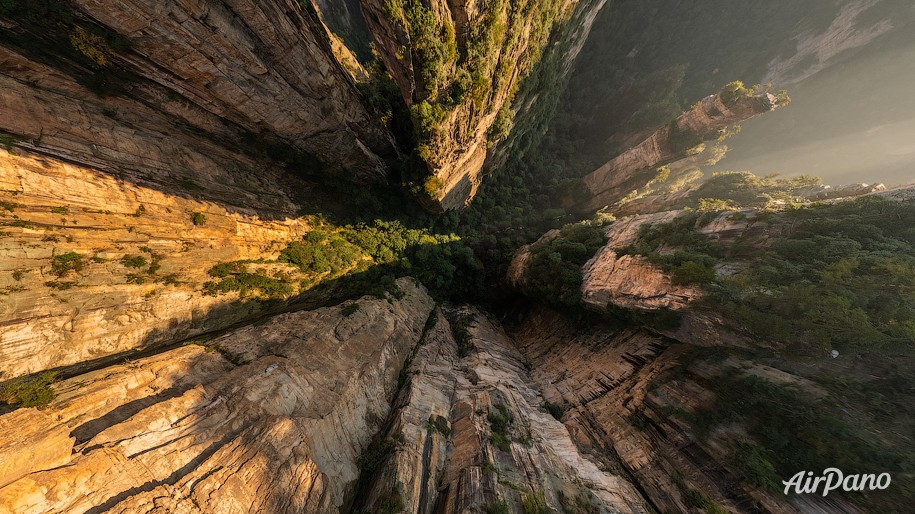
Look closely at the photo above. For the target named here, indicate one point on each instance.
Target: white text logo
(832, 479)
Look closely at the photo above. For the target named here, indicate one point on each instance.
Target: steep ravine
(618, 395)
(470, 432)
(281, 416)
(682, 386)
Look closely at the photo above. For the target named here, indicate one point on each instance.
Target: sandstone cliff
(705, 121)
(184, 74)
(268, 418)
(458, 66)
(96, 305)
(470, 433)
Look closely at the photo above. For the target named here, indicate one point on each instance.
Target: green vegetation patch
(236, 277)
(133, 261)
(6, 140)
(198, 219)
(67, 262)
(554, 270)
(843, 276)
(729, 190)
(698, 499)
(534, 503)
(497, 507)
(350, 309)
(555, 410)
(500, 419)
(839, 276)
(29, 392)
(792, 431)
(441, 262)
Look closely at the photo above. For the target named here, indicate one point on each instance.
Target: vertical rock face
(59, 318)
(703, 122)
(225, 70)
(617, 394)
(470, 432)
(458, 65)
(271, 422)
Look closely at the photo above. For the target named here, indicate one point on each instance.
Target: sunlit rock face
(635, 167)
(269, 418)
(53, 319)
(502, 43)
(299, 414)
(630, 281)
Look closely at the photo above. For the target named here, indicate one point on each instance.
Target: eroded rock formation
(618, 393)
(268, 418)
(703, 122)
(470, 431)
(458, 65)
(50, 319)
(192, 73)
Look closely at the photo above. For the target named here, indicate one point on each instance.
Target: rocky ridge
(486, 50)
(268, 418)
(683, 137)
(470, 432)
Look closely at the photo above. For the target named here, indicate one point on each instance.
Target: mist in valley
(852, 122)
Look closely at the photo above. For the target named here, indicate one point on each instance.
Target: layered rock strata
(635, 167)
(101, 304)
(617, 398)
(241, 74)
(268, 418)
(470, 432)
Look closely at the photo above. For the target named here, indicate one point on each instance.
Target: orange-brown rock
(703, 122)
(272, 419)
(104, 308)
(630, 281)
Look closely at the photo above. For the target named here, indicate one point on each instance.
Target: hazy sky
(853, 122)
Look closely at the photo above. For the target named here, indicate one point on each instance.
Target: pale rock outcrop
(846, 191)
(273, 422)
(630, 281)
(443, 432)
(635, 167)
(31, 440)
